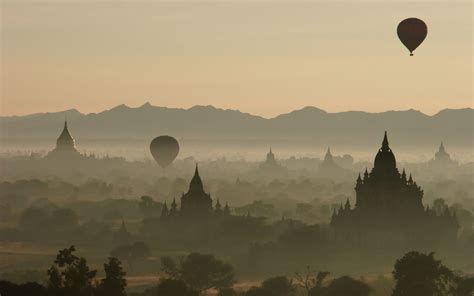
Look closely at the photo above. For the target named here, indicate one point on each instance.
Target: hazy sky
(264, 57)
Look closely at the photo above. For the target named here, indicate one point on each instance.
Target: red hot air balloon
(412, 32)
(164, 150)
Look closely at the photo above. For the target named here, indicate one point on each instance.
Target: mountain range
(207, 122)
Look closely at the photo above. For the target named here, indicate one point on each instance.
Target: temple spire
(328, 157)
(218, 206)
(385, 146)
(65, 140)
(164, 211)
(196, 185)
(441, 147)
(226, 209)
(196, 171)
(347, 207)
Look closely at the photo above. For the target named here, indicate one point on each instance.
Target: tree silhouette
(465, 286)
(70, 275)
(27, 289)
(275, 286)
(114, 282)
(346, 285)
(311, 281)
(418, 274)
(149, 207)
(200, 272)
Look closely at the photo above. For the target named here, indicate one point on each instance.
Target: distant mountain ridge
(207, 122)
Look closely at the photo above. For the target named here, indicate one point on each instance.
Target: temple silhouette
(270, 168)
(389, 208)
(442, 159)
(195, 201)
(442, 155)
(65, 146)
(270, 162)
(329, 167)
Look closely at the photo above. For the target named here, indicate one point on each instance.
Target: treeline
(70, 275)
(249, 241)
(415, 274)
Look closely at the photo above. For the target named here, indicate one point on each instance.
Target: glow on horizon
(261, 58)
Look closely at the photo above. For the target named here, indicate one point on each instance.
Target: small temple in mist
(65, 146)
(328, 166)
(442, 159)
(270, 167)
(195, 201)
(270, 162)
(389, 208)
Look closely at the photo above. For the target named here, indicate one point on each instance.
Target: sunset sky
(263, 57)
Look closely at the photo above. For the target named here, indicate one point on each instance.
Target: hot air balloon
(412, 32)
(164, 150)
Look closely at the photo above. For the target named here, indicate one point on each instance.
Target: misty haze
(236, 148)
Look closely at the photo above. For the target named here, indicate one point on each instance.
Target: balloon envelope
(412, 32)
(164, 150)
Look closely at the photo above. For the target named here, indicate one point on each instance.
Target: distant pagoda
(329, 167)
(65, 145)
(270, 161)
(442, 156)
(328, 162)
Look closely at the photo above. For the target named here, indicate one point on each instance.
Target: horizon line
(149, 105)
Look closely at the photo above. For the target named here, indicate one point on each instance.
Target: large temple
(389, 207)
(65, 146)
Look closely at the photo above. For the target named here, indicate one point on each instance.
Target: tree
(78, 277)
(311, 281)
(11, 289)
(70, 275)
(200, 272)
(174, 287)
(149, 207)
(279, 286)
(55, 281)
(275, 286)
(465, 286)
(418, 274)
(169, 267)
(114, 282)
(346, 285)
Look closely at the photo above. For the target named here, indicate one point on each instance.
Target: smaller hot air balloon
(164, 150)
(412, 32)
